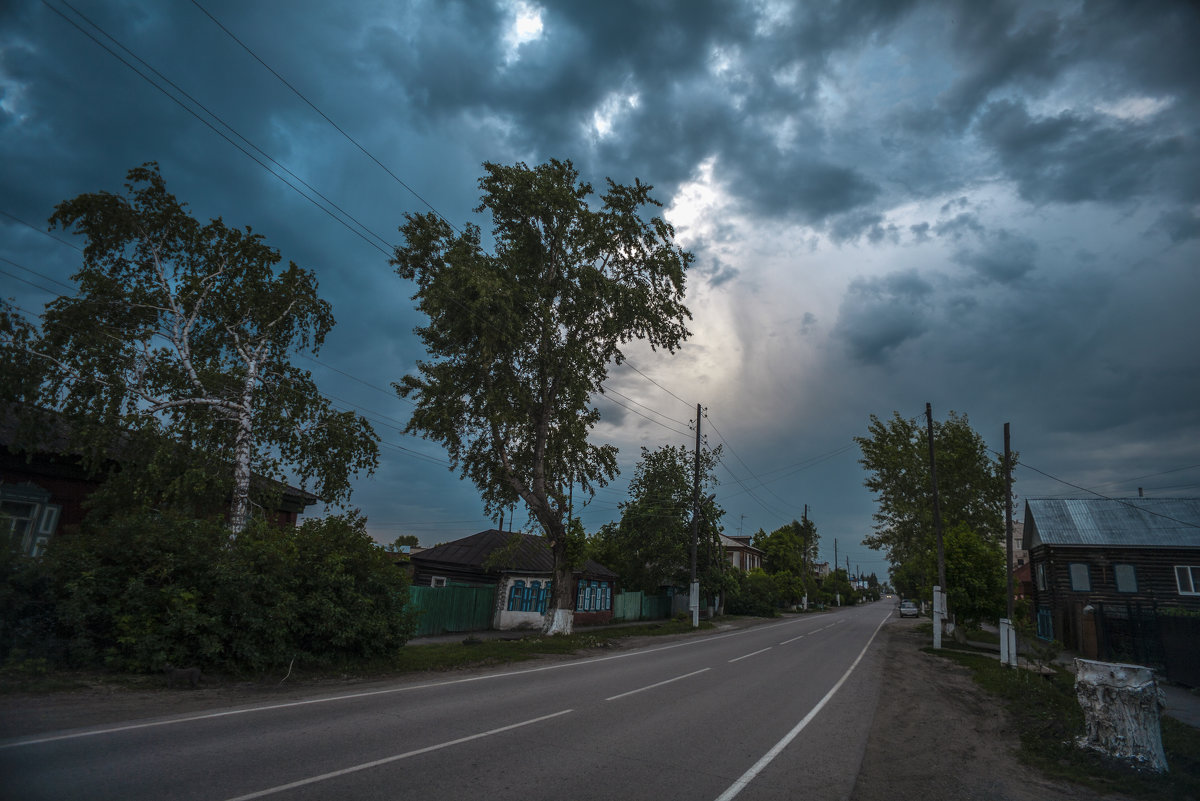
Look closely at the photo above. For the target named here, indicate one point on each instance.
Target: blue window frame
(515, 595)
(542, 596)
(1045, 623)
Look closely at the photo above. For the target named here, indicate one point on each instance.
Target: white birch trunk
(1122, 706)
(239, 511)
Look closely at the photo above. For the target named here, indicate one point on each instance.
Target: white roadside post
(1008, 643)
(939, 613)
(694, 604)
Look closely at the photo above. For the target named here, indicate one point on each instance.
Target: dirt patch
(937, 734)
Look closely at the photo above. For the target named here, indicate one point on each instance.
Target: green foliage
(837, 586)
(651, 546)
(176, 349)
(521, 339)
(790, 552)
(755, 593)
(138, 592)
(971, 496)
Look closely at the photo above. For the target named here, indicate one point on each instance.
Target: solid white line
(376, 763)
(767, 758)
(659, 684)
(390, 690)
(747, 656)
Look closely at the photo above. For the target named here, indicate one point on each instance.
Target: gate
(452, 609)
(1129, 633)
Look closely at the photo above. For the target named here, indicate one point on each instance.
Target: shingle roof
(520, 552)
(1116, 522)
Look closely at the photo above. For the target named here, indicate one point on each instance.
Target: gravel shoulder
(939, 735)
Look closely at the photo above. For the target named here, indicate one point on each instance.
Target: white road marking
(767, 758)
(370, 693)
(659, 684)
(376, 763)
(785, 642)
(747, 656)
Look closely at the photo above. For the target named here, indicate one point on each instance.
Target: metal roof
(1114, 522)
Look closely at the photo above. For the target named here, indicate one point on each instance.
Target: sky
(990, 207)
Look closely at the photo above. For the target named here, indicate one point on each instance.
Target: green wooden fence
(452, 609)
(639, 606)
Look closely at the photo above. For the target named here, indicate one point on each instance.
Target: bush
(142, 591)
(756, 593)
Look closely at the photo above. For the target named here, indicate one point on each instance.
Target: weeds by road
(1048, 717)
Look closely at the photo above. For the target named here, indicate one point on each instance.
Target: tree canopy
(651, 545)
(971, 497)
(180, 337)
(521, 338)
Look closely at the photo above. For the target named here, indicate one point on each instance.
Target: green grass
(1049, 718)
(467, 653)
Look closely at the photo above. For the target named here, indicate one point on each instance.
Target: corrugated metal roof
(1116, 522)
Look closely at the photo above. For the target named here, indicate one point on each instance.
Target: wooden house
(43, 489)
(1126, 558)
(521, 568)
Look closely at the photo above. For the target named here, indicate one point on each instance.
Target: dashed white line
(377, 762)
(747, 656)
(658, 684)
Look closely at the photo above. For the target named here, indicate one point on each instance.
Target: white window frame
(1193, 576)
(437, 581)
(1039, 575)
(1131, 585)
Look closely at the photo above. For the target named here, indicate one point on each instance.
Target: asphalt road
(774, 711)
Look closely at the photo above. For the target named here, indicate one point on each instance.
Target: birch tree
(521, 338)
(187, 329)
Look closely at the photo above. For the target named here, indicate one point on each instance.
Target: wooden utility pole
(694, 602)
(939, 595)
(1008, 526)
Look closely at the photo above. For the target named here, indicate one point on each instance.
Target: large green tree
(179, 339)
(651, 544)
(789, 553)
(970, 489)
(520, 338)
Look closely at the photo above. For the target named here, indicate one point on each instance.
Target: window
(1126, 578)
(437, 581)
(28, 517)
(1081, 578)
(1045, 623)
(514, 596)
(1039, 571)
(1187, 578)
(542, 597)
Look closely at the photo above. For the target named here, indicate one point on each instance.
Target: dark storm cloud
(959, 226)
(1180, 225)
(880, 314)
(1074, 158)
(1005, 257)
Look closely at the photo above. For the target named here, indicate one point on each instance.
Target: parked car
(908, 609)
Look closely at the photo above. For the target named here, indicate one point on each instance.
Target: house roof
(1113, 522)
(740, 543)
(501, 551)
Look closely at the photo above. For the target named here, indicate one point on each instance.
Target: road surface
(773, 711)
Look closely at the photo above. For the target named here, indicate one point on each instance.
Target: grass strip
(1049, 718)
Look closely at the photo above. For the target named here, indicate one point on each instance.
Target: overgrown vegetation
(136, 593)
(1046, 712)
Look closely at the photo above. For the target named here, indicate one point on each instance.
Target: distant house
(42, 492)
(521, 568)
(741, 553)
(1110, 559)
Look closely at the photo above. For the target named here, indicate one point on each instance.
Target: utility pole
(835, 570)
(1008, 634)
(939, 592)
(694, 601)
